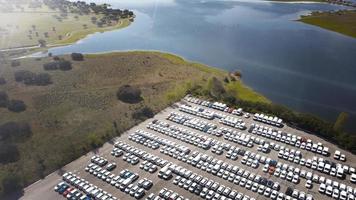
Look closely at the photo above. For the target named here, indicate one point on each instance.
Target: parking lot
(203, 150)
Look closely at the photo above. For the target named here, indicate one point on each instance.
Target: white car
(308, 184)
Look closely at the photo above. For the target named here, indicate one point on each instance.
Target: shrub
(30, 78)
(50, 66)
(2, 81)
(129, 94)
(64, 65)
(8, 153)
(23, 75)
(4, 99)
(58, 63)
(16, 106)
(39, 79)
(77, 56)
(143, 113)
(15, 131)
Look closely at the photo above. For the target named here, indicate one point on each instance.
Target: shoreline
(59, 43)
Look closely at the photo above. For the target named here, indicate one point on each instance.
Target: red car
(67, 191)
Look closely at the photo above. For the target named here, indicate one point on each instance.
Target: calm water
(301, 66)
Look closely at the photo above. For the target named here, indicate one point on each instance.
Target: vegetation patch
(129, 94)
(30, 78)
(16, 106)
(143, 113)
(342, 21)
(77, 56)
(58, 64)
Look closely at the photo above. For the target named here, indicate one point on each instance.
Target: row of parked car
(141, 153)
(202, 186)
(216, 105)
(233, 122)
(293, 155)
(274, 121)
(194, 110)
(181, 134)
(140, 136)
(148, 166)
(191, 122)
(124, 181)
(289, 139)
(69, 192)
(323, 166)
(82, 189)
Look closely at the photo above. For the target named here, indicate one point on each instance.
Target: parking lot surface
(191, 139)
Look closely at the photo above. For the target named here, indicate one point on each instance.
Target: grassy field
(16, 27)
(343, 22)
(80, 107)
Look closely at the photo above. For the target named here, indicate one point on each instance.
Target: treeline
(12, 105)
(81, 7)
(30, 78)
(307, 122)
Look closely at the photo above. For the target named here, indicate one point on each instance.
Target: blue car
(63, 188)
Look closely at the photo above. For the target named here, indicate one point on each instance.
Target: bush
(50, 66)
(30, 78)
(77, 56)
(15, 131)
(8, 153)
(16, 106)
(129, 94)
(143, 113)
(2, 81)
(23, 75)
(64, 65)
(15, 63)
(4, 99)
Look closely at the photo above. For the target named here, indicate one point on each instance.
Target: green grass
(76, 113)
(18, 24)
(245, 93)
(343, 22)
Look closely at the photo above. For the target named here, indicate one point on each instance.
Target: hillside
(77, 109)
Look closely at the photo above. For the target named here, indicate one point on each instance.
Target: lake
(303, 67)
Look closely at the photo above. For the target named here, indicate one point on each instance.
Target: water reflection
(298, 65)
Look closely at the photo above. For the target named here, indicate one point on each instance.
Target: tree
(129, 94)
(16, 106)
(64, 65)
(143, 113)
(4, 99)
(77, 56)
(340, 121)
